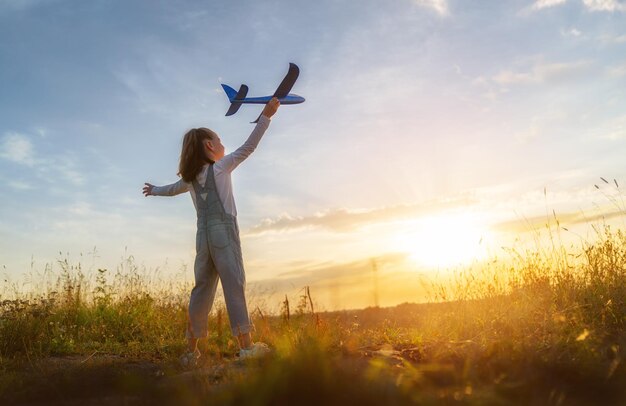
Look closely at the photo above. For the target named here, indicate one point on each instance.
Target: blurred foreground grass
(545, 328)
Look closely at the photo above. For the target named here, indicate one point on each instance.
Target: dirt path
(104, 379)
(378, 375)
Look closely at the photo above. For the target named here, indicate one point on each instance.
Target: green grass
(546, 327)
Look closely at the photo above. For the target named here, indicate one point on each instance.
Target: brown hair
(192, 155)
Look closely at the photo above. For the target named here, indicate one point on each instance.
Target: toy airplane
(237, 98)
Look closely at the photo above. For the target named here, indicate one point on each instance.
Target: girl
(205, 173)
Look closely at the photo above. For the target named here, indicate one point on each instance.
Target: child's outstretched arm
(167, 190)
(232, 160)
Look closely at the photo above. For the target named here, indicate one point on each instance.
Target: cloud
(604, 5)
(19, 185)
(620, 39)
(614, 129)
(439, 6)
(43, 132)
(539, 124)
(567, 219)
(17, 148)
(608, 39)
(18, 4)
(572, 32)
(617, 71)
(389, 280)
(591, 5)
(67, 168)
(22, 5)
(343, 220)
(541, 4)
(542, 73)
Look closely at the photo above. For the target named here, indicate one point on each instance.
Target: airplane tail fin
(230, 92)
(234, 96)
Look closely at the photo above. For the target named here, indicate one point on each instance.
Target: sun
(443, 241)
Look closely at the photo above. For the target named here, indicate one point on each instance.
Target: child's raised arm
(232, 160)
(167, 190)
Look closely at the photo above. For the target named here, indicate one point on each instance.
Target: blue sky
(414, 108)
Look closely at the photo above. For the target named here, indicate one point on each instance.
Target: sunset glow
(433, 133)
(443, 241)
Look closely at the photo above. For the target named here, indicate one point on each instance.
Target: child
(205, 173)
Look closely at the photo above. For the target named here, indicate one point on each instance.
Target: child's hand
(147, 190)
(271, 107)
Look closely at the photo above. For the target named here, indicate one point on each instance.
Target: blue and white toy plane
(237, 98)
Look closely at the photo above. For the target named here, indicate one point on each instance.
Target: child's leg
(245, 340)
(229, 265)
(192, 344)
(203, 293)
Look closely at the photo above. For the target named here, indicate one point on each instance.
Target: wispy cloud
(542, 73)
(19, 185)
(20, 149)
(541, 4)
(614, 129)
(352, 283)
(604, 5)
(343, 220)
(67, 168)
(24, 5)
(18, 4)
(572, 32)
(617, 70)
(620, 39)
(17, 148)
(591, 5)
(611, 39)
(439, 6)
(567, 219)
(43, 132)
(541, 123)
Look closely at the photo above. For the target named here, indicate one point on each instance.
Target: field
(545, 327)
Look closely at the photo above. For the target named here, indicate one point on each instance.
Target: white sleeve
(171, 190)
(232, 160)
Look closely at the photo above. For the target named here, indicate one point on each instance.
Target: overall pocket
(219, 235)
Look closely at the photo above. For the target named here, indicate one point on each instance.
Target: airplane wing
(285, 86)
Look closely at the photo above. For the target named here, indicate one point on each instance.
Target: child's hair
(192, 156)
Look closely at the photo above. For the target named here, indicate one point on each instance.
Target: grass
(546, 327)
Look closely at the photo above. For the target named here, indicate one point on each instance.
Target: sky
(434, 133)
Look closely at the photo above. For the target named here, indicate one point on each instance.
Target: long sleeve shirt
(222, 170)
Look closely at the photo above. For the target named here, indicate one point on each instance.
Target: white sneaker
(189, 359)
(256, 350)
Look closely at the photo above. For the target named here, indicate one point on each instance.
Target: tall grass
(546, 324)
(130, 311)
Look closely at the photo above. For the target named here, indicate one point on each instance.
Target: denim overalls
(218, 256)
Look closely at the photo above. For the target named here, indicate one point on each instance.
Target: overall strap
(208, 203)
